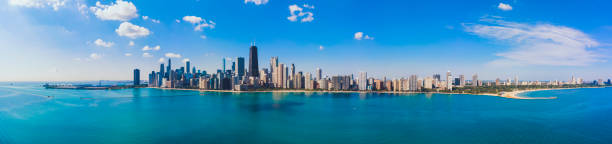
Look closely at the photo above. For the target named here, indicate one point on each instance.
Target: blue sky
(61, 40)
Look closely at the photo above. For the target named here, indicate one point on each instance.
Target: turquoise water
(28, 115)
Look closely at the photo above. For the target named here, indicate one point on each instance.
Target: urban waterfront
(152, 115)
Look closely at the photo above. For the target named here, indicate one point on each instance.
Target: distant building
(363, 80)
(319, 73)
(253, 62)
(239, 67)
(136, 77)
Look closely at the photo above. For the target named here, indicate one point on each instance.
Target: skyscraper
(169, 66)
(319, 73)
(253, 62)
(475, 80)
(363, 80)
(449, 81)
(187, 66)
(161, 69)
(239, 66)
(136, 77)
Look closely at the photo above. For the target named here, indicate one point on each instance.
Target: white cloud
(321, 47)
(192, 19)
(203, 36)
(146, 48)
(131, 43)
(256, 2)
(538, 44)
(161, 60)
(130, 30)
(504, 7)
(361, 36)
(95, 56)
(82, 9)
(120, 11)
(173, 55)
(56, 4)
(147, 55)
(128, 54)
(152, 20)
(100, 42)
(185, 60)
(199, 22)
(296, 12)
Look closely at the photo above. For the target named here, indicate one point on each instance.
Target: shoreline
(511, 95)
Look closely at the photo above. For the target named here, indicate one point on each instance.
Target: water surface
(32, 114)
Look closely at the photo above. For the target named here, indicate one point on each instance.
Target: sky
(71, 40)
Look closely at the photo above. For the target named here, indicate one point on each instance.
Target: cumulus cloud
(199, 22)
(95, 56)
(152, 20)
(131, 43)
(147, 48)
(130, 30)
(173, 55)
(256, 2)
(504, 7)
(147, 55)
(55, 4)
(296, 12)
(321, 47)
(128, 54)
(538, 44)
(120, 11)
(102, 43)
(361, 36)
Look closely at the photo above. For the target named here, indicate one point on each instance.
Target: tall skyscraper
(319, 74)
(239, 66)
(363, 80)
(136, 77)
(187, 66)
(223, 64)
(253, 62)
(461, 80)
(475, 80)
(161, 69)
(449, 81)
(169, 66)
(292, 71)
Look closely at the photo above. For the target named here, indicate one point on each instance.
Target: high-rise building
(136, 77)
(428, 83)
(292, 75)
(253, 62)
(449, 81)
(239, 67)
(187, 66)
(169, 68)
(461, 80)
(319, 73)
(413, 83)
(475, 80)
(161, 69)
(363, 80)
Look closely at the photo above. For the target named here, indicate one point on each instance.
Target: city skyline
(500, 39)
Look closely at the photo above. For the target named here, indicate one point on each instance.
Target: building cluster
(285, 76)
